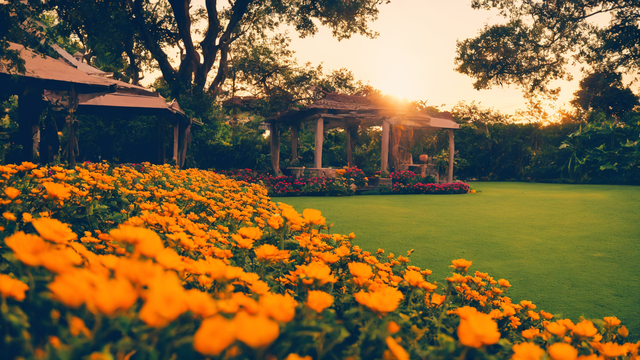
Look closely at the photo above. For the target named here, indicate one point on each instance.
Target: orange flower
(546, 315)
(527, 351)
(437, 300)
(361, 272)
(270, 253)
(9, 216)
(275, 221)
(623, 331)
(414, 278)
(252, 233)
(200, 303)
(256, 331)
(533, 315)
(585, 329)
(243, 243)
(461, 264)
(313, 216)
(27, 247)
(281, 308)
(393, 327)
(382, 301)
(611, 321)
(316, 271)
(166, 300)
(53, 230)
(10, 287)
(478, 329)
(77, 326)
(562, 351)
(214, 335)
(319, 300)
(293, 356)
(12, 192)
(504, 283)
(398, 351)
(72, 289)
(556, 329)
(530, 333)
(610, 349)
(57, 191)
(146, 241)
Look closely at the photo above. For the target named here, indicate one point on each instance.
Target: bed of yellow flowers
(152, 262)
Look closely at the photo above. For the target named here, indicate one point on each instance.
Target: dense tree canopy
(541, 37)
(150, 32)
(603, 91)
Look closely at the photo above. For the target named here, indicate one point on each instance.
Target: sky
(413, 57)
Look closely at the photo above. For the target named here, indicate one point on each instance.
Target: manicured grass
(571, 249)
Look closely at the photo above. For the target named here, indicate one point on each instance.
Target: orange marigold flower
(27, 247)
(562, 351)
(382, 301)
(57, 190)
(313, 216)
(611, 321)
(146, 241)
(361, 271)
(504, 283)
(293, 356)
(319, 300)
(461, 264)
(200, 303)
(527, 351)
(533, 315)
(54, 230)
(478, 329)
(77, 326)
(531, 333)
(398, 351)
(281, 308)
(113, 295)
(9, 216)
(252, 233)
(12, 192)
(275, 222)
(610, 349)
(546, 315)
(437, 300)
(392, 327)
(270, 253)
(566, 323)
(256, 331)
(585, 329)
(556, 329)
(623, 331)
(414, 278)
(214, 335)
(13, 288)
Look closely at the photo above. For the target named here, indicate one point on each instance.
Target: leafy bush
(148, 262)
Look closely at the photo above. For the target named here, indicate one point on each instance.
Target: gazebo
(350, 112)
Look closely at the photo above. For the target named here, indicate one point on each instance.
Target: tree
(603, 91)
(541, 37)
(204, 35)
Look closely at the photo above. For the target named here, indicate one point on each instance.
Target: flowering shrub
(420, 188)
(107, 262)
(403, 177)
(354, 175)
(292, 186)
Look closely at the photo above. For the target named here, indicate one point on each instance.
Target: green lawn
(571, 249)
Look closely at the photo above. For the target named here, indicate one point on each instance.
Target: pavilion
(350, 112)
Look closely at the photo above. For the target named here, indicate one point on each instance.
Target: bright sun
(399, 83)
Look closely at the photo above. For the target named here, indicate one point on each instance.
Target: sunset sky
(413, 57)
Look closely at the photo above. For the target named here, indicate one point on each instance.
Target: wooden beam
(384, 147)
(275, 147)
(176, 131)
(72, 140)
(349, 147)
(185, 142)
(319, 140)
(452, 150)
(294, 141)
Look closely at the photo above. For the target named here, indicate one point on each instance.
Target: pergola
(84, 90)
(349, 112)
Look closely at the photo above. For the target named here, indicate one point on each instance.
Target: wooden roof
(340, 110)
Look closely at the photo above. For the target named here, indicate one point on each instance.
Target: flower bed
(420, 188)
(107, 262)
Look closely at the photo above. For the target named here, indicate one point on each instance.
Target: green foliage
(539, 39)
